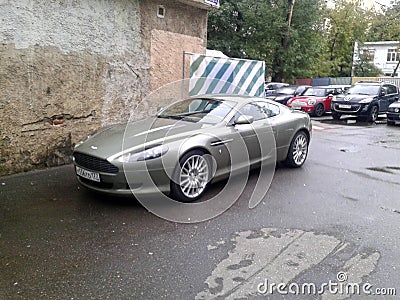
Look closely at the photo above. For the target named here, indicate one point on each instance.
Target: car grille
(94, 163)
(353, 108)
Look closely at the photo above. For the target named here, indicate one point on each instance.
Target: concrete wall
(70, 67)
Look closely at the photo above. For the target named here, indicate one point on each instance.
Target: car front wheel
(191, 176)
(298, 150)
(319, 110)
(373, 114)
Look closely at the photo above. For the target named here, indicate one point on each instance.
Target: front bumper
(393, 117)
(346, 108)
(304, 107)
(146, 177)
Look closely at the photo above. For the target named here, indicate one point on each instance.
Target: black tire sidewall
(316, 109)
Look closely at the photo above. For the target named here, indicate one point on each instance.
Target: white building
(384, 55)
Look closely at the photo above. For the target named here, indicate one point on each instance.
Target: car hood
(120, 137)
(279, 95)
(395, 104)
(306, 98)
(352, 98)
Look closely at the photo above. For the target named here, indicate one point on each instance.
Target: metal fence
(345, 80)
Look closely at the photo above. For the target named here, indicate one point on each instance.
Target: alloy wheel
(193, 176)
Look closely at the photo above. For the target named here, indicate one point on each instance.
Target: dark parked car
(271, 87)
(366, 100)
(393, 114)
(283, 94)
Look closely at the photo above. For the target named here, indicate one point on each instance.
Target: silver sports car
(191, 143)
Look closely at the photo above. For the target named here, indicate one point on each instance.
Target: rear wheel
(298, 150)
(373, 114)
(191, 176)
(319, 110)
(335, 115)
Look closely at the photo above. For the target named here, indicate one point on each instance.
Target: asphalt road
(336, 219)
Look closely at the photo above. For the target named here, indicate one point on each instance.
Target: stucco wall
(66, 69)
(69, 67)
(183, 28)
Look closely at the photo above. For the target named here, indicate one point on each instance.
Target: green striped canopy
(219, 75)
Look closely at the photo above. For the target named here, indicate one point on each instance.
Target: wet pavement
(339, 214)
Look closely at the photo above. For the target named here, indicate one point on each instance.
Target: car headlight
(147, 154)
(396, 110)
(311, 102)
(367, 100)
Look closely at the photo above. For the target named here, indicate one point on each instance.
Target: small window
(161, 11)
(392, 55)
(391, 89)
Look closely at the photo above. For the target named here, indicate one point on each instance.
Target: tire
(319, 110)
(298, 150)
(191, 176)
(373, 114)
(335, 115)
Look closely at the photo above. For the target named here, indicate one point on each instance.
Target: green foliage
(346, 23)
(365, 68)
(318, 43)
(385, 26)
(256, 29)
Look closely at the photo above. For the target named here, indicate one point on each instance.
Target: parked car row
(365, 99)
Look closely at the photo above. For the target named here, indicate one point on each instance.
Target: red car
(315, 100)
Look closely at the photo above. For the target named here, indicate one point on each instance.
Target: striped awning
(218, 75)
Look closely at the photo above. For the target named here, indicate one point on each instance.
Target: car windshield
(315, 92)
(286, 90)
(208, 111)
(361, 89)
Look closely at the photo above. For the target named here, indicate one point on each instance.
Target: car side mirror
(244, 119)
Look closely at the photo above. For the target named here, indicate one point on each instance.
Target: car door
(393, 94)
(384, 98)
(282, 128)
(250, 133)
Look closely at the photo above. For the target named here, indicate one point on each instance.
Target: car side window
(391, 89)
(253, 110)
(271, 110)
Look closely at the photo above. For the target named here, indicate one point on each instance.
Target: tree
(283, 33)
(364, 66)
(385, 26)
(346, 23)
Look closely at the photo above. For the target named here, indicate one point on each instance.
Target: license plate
(344, 106)
(297, 104)
(88, 174)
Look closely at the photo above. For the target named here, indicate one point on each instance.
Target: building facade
(70, 67)
(384, 55)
